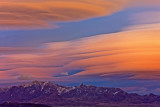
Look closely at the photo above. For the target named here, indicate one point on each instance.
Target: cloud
(135, 53)
(27, 14)
(25, 77)
(144, 3)
(11, 50)
(16, 14)
(144, 20)
(140, 17)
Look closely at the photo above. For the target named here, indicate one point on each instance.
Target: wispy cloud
(40, 13)
(133, 52)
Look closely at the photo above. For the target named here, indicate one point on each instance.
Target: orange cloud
(40, 13)
(29, 14)
(135, 52)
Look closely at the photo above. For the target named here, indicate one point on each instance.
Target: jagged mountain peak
(82, 85)
(38, 83)
(44, 91)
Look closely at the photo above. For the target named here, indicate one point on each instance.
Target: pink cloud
(135, 52)
(22, 14)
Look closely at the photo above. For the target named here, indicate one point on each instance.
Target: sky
(111, 43)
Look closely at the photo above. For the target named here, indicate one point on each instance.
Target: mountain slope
(49, 93)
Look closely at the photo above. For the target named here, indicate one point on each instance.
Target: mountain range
(39, 92)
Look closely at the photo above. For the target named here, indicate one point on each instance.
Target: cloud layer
(40, 13)
(29, 14)
(134, 53)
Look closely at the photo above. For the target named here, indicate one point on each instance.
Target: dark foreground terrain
(8, 104)
(47, 94)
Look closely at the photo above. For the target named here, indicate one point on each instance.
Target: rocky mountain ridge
(48, 93)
